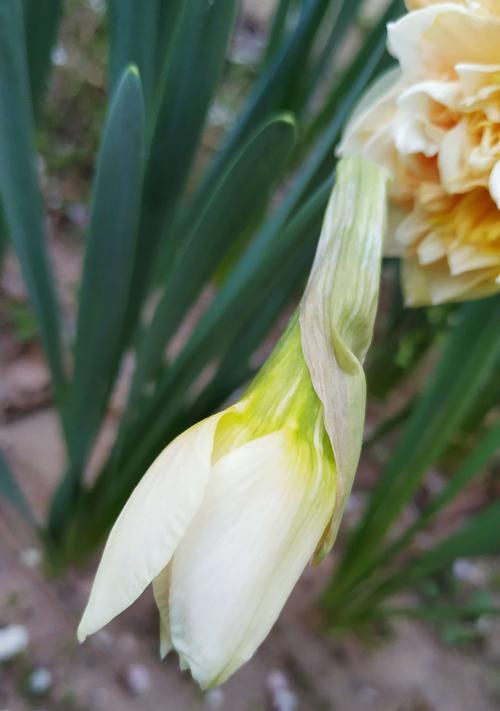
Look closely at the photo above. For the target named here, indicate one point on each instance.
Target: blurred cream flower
(227, 517)
(435, 124)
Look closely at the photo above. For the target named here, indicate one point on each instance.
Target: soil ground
(299, 666)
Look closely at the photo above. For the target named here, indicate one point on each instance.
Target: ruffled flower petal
(440, 133)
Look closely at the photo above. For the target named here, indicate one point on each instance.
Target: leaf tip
(133, 70)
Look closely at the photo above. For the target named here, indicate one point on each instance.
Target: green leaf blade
(191, 73)
(41, 20)
(267, 96)
(470, 354)
(237, 202)
(248, 288)
(134, 40)
(108, 261)
(10, 490)
(19, 190)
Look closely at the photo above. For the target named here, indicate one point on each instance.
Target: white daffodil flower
(228, 516)
(434, 123)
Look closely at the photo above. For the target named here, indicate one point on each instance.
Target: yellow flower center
(472, 219)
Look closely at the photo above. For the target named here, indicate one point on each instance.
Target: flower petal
(151, 525)
(368, 128)
(265, 509)
(420, 125)
(161, 591)
(405, 35)
(436, 285)
(432, 41)
(431, 249)
(494, 185)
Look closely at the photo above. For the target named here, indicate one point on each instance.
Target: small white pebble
(104, 638)
(40, 681)
(138, 679)
(14, 640)
(355, 503)
(214, 699)
(367, 694)
(98, 6)
(127, 643)
(31, 557)
(59, 56)
(281, 696)
(220, 115)
(483, 624)
(469, 572)
(78, 214)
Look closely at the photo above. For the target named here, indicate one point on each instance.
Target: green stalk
(470, 353)
(473, 464)
(478, 536)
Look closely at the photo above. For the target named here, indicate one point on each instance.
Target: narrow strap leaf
(192, 70)
(134, 39)
(105, 284)
(10, 489)
(236, 367)
(19, 191)
(248, 289)
(108, 261)
(237, 202)
(266, 98)
(472, 350)
(3, 237)
(365, 63)
(473, 464)
(278, 29)
(478, 536)
(320, 162)
(41, 21)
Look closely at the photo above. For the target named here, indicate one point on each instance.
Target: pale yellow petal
(464, 258)
(151, 525)
(404, 36)
(432, 41)
(431, 249)
(494, 184)
(454, 161)
(419, 126)
(368, 130)
(161, 591)
(415, 283)
(436, 285)
(266, 506)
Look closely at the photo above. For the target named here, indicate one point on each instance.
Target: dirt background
(301, 665)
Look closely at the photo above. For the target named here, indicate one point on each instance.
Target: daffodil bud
(338, 311)
(227, 517)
